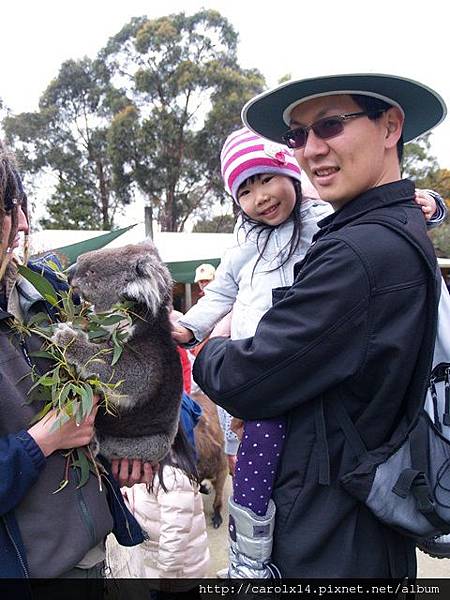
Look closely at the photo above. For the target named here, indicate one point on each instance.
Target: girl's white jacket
(175, 524)
(238, 285)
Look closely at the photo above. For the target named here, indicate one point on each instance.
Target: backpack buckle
(421, 491)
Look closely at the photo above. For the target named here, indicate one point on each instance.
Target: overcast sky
(303, 38)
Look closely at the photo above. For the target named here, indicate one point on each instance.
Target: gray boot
(251, 542)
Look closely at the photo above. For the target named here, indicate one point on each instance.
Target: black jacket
(348, 330)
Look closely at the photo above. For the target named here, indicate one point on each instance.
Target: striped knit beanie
(245, 154)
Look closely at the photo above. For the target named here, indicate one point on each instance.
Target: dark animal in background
(212, 462)
(148, 400)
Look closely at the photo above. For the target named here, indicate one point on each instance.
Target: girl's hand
(427, 203)
(50, 436)
(181, 334)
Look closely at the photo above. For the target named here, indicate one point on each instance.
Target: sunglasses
(324, 129)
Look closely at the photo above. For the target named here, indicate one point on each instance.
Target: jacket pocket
(285, 510)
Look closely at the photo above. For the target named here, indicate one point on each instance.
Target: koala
(148, 403)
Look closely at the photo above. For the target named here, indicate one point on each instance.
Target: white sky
(296, 37)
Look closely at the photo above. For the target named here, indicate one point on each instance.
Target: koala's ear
(143, 266)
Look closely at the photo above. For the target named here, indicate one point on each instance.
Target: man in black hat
(347, 336)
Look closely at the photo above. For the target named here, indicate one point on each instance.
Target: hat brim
(268, 113)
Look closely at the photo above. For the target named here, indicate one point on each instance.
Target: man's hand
(237, 427)
(223, 327)
(232, 460)
(128, 472)
(427, 203)
(50, 436)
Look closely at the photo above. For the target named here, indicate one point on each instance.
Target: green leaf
(37, 319)
(116, 355)
(83, 464)
(41, 354)
(98, 333)
(41, 413)
(87, 400)
(41, 284)
(61, 486)
(111, 320)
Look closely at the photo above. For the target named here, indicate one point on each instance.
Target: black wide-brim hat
(268, 113)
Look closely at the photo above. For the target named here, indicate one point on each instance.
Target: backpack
(406, 482)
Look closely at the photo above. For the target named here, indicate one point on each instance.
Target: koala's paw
(64, 336)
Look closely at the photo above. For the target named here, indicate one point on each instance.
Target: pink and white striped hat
(245, 154)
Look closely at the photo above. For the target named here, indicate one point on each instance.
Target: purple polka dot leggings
(257, 463)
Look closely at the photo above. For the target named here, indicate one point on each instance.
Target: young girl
(170, 512)
(274, 232)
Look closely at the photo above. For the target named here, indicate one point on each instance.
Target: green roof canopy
(184, 271)
(181, 271)
(70, 253)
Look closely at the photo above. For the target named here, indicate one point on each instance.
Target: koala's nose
(70, 272)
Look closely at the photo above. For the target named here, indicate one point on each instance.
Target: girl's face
(269, 198)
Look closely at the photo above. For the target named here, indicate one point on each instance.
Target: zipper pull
(434, 397)
(446, 415)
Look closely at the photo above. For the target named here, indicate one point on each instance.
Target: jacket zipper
(119, 505)
(87, 516)
(25, 353)
(22, 562)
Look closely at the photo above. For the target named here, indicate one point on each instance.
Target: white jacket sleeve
(218, 300)
(177, 513)
(230, 438)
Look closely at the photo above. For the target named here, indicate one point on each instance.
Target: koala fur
(149, 398)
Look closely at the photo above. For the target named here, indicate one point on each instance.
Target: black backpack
(406, 482)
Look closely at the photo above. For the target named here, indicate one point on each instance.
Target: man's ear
(394, 119)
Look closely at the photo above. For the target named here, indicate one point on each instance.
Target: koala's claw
(65, 335)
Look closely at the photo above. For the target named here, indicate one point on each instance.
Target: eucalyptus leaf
(116, 355)
(61, 486)
(41, 354)
(83, 464)
(41, 414)
(42, 285)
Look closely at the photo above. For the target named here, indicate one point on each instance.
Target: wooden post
(187, 296)
(148, 219)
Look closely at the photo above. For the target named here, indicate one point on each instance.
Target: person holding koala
(44, 534)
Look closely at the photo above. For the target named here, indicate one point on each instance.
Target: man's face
(345, 166)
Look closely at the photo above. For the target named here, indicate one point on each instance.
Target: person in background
(204, 274)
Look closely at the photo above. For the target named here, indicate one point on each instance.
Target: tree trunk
(104, 195)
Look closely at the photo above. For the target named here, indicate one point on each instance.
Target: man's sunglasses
(324, 129)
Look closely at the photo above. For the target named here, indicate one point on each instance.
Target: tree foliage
(67, 137)
(149, 114)
(186, 91)
(217, 224)
(418, 163)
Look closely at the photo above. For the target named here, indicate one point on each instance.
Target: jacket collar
(379, 197)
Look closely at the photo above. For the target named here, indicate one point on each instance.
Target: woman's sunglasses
(324, 129)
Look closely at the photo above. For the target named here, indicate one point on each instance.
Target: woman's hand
(50, 436)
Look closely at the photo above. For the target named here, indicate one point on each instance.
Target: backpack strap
(351, 433)
(415, 480)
